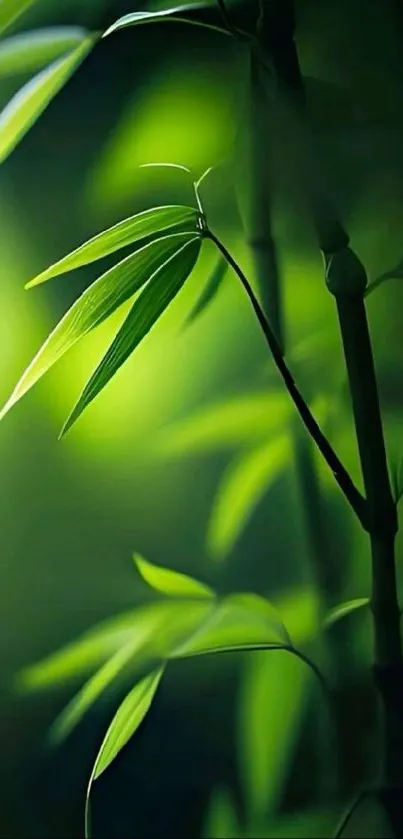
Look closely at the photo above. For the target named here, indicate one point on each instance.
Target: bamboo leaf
(29, 51)
(210, 291)
(178, 14)
(242, 488)
(29, 103)
(171, 583)
(127, 720)
(228, 424)
(344, 609)
(10, 10)
(221, 819)
(162, 288)
(154, 222)
(238, 621)
(96, 304)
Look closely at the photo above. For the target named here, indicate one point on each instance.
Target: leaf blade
(97, 303)
(171, 583)
(209, 292)
(344, 609)
(156, 220)
(10, 10)
(178, 14)
(33, 98)
(127, 720)
(29, 51)
(158, 294)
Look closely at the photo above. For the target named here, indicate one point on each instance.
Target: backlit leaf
(228, 424)
(96, 304)
(244, 484)
(10, 10)
(238, 621)
(171, 583)
(178, 14)
(30, 102)
(127, 720)
(148, 223)
(344, 609)
(29, 51)
(163, 287)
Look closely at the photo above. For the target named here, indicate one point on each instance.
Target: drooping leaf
(178, 14)
(344, 609)
(228, 424)
(171, 583)
(127, 720)
(155, 222)
(92, 689)
(395, 273)
(238, 621)
(242, 487)
(210, 291)
(267, 739)
(30, 51)
(30, 102)
(221, 820)
(163, 287)
(10, 10)
(96, 304)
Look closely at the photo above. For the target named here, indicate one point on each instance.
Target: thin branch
(354, 497)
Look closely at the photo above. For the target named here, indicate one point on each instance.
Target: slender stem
(341, 475)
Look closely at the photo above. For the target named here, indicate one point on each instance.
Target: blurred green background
(72, 513)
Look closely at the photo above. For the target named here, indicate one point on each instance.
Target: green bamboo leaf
(242, 488)
(29, 103)
(267, 741)
(344, 609)
(127, 720)
(30, 51)
(221, 819)
(210, 291)
(238, 621)
(178, 14)
(97, 303)
(171, 583)
(10, 10)
(162, 288)
(154, 222)
(228, 424)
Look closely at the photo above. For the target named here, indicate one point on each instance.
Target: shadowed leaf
(178, 14)
(30, 51)
(154, 222)
(221, 819)
(160, 291)
(395, 273)
(10, 10)
(96, 304)
(171, 583)
(209, 293)
(30, 102)
(344, 609)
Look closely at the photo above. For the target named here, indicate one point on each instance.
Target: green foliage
(10, 10)
(345, 609)
(30, 51)
(209, 292)
(178, 14)
(221, 820)
(170, 583)
(30, 102)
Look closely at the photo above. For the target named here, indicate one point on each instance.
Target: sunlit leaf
(178, 14)
(157, 221)
(30, 51)
(210, 291)
(344, 609)
(239, 621)
(30, 102)
(10, 10)
(244, 484)
(300, 612)
(171, 583)
(163, 287)
(90, 692)
(156, 629)
(228, 424)
(271, 708)
(96, 304)
(221, 820)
